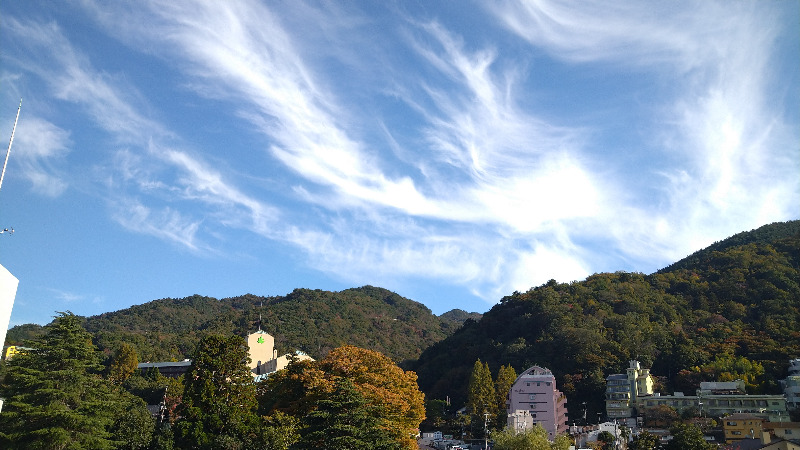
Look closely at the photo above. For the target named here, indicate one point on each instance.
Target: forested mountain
(728, 313)
(313, 321)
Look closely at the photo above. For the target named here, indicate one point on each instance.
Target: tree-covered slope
(313, 321)
(727, 311)
(766, 234)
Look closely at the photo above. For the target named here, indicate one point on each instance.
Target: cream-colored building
(718, 399)
(742, 426)
(624, 392)
(261, 348)
(264, 358)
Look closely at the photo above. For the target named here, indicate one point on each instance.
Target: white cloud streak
(41, 148)
(734, 156)
(493, 195)
(74, 79)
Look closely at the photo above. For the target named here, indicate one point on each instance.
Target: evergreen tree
(55, 397)
(506, 376)
(344, 421)
(482, 398)
(279, 431)
(134, 428)
(218, 409)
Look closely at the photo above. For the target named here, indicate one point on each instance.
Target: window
(736, 433)
(731, 424)
(539, 384)
(533, 415)
(532, 397)
(527, 384)
(547, 383)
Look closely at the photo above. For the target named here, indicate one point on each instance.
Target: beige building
(718, 399)
(264, 358)
(624, 392)
(261, 348)
(783, 430)
(742, 426)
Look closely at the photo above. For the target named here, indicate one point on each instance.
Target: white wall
(8, 291)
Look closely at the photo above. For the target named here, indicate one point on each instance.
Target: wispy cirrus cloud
(464, 177)
(145, 163)
(41, 148)
(730, 151)
(71, 77)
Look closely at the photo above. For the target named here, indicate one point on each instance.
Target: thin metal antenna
(10, 141)
(259, 315)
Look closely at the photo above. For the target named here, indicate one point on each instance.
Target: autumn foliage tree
(506, 376)
(389, 392)
(124, 363)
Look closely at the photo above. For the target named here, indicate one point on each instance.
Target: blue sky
(452, 152)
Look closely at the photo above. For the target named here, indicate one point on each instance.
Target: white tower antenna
(10, 141)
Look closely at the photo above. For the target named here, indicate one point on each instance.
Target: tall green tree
(279, 431)
(506, 376)
(134, 428)
(343, 420)
(55, 396)
(481, 400)
(219, 397)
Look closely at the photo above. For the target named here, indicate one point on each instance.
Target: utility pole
(485, 430)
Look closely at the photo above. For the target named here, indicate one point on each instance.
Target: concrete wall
(8, 292)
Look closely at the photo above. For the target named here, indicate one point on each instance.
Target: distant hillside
(717, 313)
(459, 316)
(313, 321)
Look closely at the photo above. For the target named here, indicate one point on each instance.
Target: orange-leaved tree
(389, 391)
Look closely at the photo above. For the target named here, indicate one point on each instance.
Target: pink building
(534, 399)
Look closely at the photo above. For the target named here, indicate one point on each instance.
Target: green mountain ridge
(732, 310)
(313, 321)
(733, 307)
